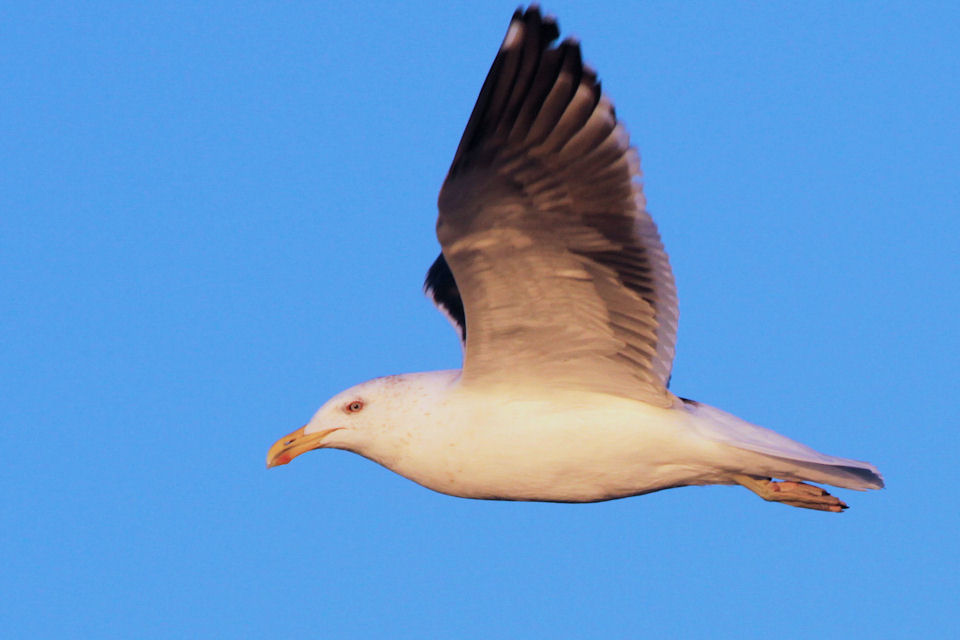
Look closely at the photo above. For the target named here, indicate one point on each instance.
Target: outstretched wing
(563, 279)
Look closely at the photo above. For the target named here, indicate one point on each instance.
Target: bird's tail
(779, 456)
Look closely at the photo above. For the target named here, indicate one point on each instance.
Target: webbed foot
(795, 494)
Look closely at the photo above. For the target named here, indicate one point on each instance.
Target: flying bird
(555, 278)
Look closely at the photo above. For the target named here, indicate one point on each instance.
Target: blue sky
(213, 216)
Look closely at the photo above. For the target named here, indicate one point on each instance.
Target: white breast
(570, 448)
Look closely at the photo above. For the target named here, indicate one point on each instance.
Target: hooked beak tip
(290, 446)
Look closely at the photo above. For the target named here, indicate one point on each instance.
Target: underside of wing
(559, 269)
(441, 288)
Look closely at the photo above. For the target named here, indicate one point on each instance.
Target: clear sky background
(213, 216)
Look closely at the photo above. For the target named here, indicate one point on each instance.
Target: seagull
(555, 278)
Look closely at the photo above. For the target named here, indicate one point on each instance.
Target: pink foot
(795, 494)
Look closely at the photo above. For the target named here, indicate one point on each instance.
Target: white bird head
(356, 418)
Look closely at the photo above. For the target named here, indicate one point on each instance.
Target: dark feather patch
(442, 289)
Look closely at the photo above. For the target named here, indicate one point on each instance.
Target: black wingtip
(549, 29)
(441, 287)
(532, 17)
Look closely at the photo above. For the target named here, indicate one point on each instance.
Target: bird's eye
(353, 407)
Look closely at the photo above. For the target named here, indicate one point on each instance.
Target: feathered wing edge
(542, 119)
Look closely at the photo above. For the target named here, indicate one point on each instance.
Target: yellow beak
(290, 446)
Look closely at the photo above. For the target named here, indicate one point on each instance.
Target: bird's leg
(795, 494)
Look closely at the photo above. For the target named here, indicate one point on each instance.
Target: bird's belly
(573, 457)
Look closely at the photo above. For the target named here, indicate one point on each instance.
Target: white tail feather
(782, 457)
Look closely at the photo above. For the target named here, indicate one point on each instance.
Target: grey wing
(562, 275)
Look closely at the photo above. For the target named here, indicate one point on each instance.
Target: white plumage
(555, 276)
